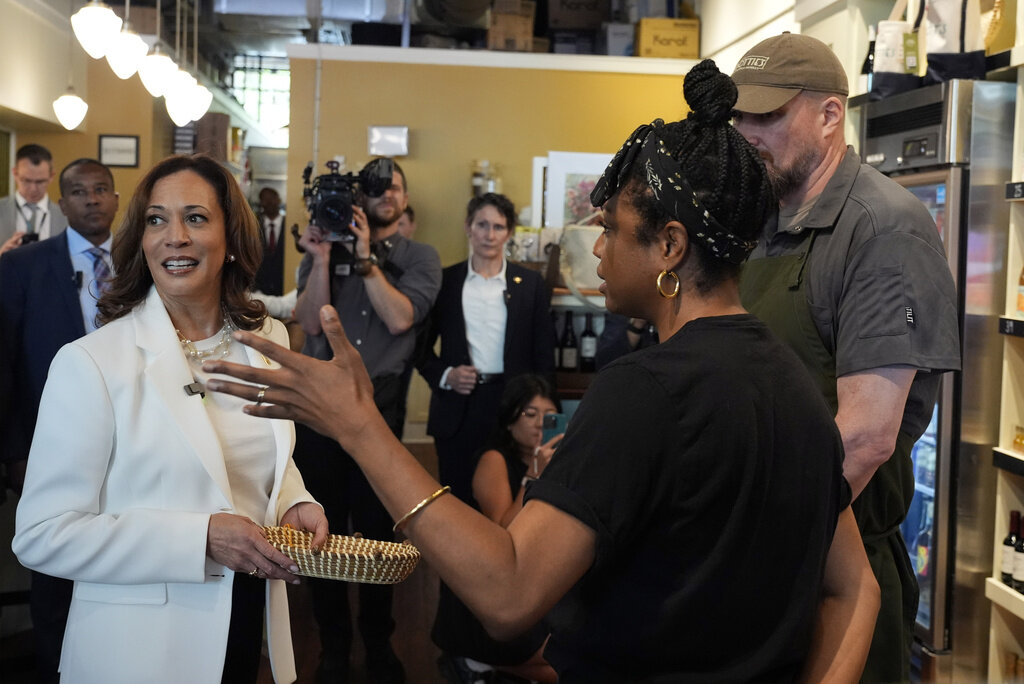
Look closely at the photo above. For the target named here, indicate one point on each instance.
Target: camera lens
(334, 214)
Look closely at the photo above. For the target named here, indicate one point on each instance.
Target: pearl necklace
(222, 349)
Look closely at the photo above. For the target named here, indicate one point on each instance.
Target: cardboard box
(577, 14)
(677, 38)
(510, 32)
(616, 39)
(512, 29)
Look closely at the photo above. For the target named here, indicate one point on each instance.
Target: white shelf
(1005, 597)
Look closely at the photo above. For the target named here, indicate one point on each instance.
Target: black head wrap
(666, 181)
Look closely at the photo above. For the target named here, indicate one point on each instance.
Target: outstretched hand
(334, 397)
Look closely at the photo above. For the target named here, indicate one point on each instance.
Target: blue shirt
(82, 262)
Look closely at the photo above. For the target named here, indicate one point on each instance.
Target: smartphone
(554, 424)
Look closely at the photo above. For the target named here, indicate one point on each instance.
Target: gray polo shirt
(879, 286)
(382, 352)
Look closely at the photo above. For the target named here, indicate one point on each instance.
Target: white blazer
(124, 472)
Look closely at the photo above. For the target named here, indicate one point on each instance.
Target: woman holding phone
(515, 455)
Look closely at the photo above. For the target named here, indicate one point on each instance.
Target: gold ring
(255, 572)
(260, 395)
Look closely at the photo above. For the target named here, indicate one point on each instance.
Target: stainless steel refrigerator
(951, 146)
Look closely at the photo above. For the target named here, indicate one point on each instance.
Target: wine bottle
(1018, 562)
(867, 69)
(1006, 569)
(570, 350)
(588, 346)
(558, 349)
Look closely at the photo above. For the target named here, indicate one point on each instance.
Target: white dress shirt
(81, 261)
(483, 307)
(42, 216)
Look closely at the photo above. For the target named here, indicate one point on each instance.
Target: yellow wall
(116, 107)
(457, 114)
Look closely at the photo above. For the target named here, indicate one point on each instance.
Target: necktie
(30, 222)
(271, 238)
(100, 271)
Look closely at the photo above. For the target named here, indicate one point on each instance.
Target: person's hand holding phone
(542, 456)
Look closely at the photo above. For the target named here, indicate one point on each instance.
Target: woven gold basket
(352, 559)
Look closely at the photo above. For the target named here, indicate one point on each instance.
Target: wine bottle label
(588, 347)
(1018, 566)
(1007, 565)
(569, 361)
(1020, 299)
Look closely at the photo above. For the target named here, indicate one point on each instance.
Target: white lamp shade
(178, 109)
(201, 99)
(70, 109)
(95, 26)
(156, 70)
(179, 97)
(126, 52)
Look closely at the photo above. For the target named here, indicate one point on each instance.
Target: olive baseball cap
(776, 70)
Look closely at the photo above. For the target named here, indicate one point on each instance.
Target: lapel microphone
(78, 280)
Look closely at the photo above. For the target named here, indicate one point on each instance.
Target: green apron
(774, 290)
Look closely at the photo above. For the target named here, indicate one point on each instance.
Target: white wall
(36, 41)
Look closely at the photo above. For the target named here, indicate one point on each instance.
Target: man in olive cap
(853, 276)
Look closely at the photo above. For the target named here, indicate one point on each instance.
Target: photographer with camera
(382, 286)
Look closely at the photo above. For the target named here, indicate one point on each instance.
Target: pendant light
(69, 108)
(177, 96)
(95, 26)
(201, 95)
(156, 68)
(127, 49)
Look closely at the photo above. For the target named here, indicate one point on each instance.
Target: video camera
(329, 198)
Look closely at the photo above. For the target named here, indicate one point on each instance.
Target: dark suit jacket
(270, 276)
(529, 339)
(39, 313)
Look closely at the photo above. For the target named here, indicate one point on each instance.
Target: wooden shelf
(1011, 326)
(566, 291)
(1004, 596)
(1008, 460)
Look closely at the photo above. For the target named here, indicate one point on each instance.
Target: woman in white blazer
(144, 489)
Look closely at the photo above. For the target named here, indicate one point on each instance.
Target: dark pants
(245, 635)
(49, 603)
(334, 480)
(889, 658)
(458, 454)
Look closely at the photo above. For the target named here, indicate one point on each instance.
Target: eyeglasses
(532, 413)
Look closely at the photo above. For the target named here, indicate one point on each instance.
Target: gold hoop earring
(660, 281)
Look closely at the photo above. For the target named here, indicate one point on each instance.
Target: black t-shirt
(711, 470)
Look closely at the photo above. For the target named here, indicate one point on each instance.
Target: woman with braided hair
(695, 525)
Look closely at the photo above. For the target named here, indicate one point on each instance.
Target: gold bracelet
(420, 506)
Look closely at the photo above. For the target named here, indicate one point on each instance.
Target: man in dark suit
(270, 276)
(48, 294)
(29, 212)
(494, 322)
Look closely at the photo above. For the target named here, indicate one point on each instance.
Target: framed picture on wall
(571, 177)
(119, 151)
